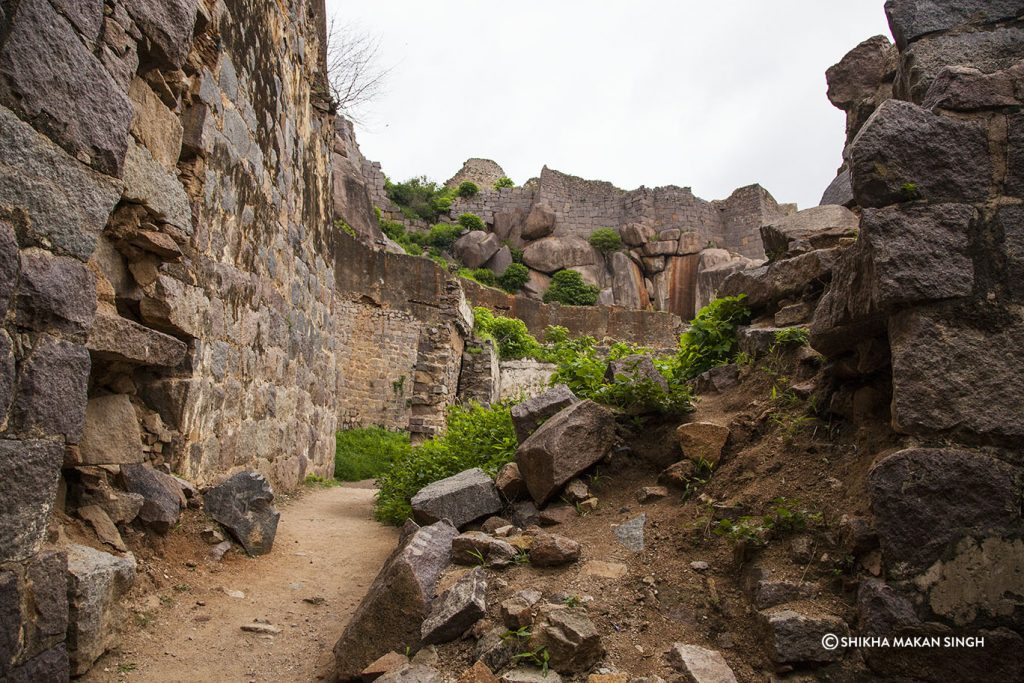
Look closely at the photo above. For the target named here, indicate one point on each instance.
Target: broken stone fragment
(413, 673)
(517, 611)
(510, 483)
(795, 638)
(103, 526)
(97, 582)
(702, 441)
(474, 547)
(631, 533)
(162, 497)
(699, 664)
(551, 550)
(244, 505)
(478, 673)
(460, 499)
(113, 337)
(571, 639)
(460, 607)
(532, 413)
(678, 474)
(524, 674)
(111, 435)
(651, 493)
(392, 661)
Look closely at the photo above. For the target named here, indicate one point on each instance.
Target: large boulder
(628, 283)
(52, 389)
(713, 268)
(819, 227)
(905, 152)
(912, 19)
(30, 472)
(168, 26)
(789, 278)
(460, 499)
(96, 583)
(163, 499)
(398, 601)
(551, 254)
(567, 444)
(702, 440)
(540, 222)
(112, 435)
(552, 550)
(861, 81)
(460, 607)
(500, 262)
(532, 413)
(470, 547)
(244, 504)
(475, 248)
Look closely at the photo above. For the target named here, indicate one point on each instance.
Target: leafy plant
(539, 657)
(442, 236)
(368, 452)
(481, 275)
(517, 253)
(910, 191)
(782, 517)
(605, 240)
(478, 556)
(711, 339)
(572, 601)
(521, 557)
(419, 198)
(521, 633)
(511, 336)
(568, 288)
(471, 221)
(476, 437)
(322, 482)
(789, 336)
(503, 181)
(467, 189)
(514, 277)
(345, 227)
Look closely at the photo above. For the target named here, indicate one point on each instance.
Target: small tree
(503, 181)
(514, 277)
(467, 189)
(354, 73)
(567, 287)
(470, 221)
(605, 240)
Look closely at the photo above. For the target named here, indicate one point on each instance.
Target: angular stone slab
(97, 582)
(29, 471)
(460, 499)
(460, 607)
(162, 495)
(112, 435)
(795, 638)
(531, 413)
(244, 504)
(120, 339)
(699, 664)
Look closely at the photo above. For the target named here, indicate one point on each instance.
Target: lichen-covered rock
(97, 582)
(30, 471)
(531, 413)
(163, 500)
(794, 637)
(398, 601)
(566, 445)
(460, 499)
(699, 664)
(244, 504)
(462, 605)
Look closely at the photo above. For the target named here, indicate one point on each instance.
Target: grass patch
(367, 453)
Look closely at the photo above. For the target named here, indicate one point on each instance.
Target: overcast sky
(711, 95)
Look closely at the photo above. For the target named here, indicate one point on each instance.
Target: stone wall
(523, 379)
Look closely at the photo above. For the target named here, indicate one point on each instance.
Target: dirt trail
(328, 549)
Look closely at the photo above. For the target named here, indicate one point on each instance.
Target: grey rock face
(572, 641)
(839, 191)
(168, 25)
(911, 19)
(500, 262)
(390, 615)
(475, 248)
(860, 72)
(540, 222)
(962, 88)
(460, 607)
(10, 264)
(925, 499)
(459, 499)
(953, 374)
(766, 285)
(49, 77)
(97, 581)
(52, 388)
(244, 505)
(795, 637)
(55, 293)
(120, 339)
(905, 152)
(112, 435)
(699, 664)
(530, 414)
(51, 665)
(162, 496)
(150, 184)
(631, 533)
(30, 471)
(820, 227)
(567, 444)
(415, 673)
(67, 204)
(555, 253)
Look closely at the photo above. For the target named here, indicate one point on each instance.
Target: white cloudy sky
(713, 95)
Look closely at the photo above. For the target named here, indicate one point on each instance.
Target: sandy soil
(181, 624)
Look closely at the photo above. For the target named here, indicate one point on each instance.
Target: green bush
(514, 277)
(467, 188)
(442, 236)
(511, 337)
(568, 288)
(790, 336)
(517, 253)
(420, 198)
(503, 181)
(471, 221)
(367, 453)
(476, 437)
(396, 231)
(711, 339)
(481, 275)
(605, 240)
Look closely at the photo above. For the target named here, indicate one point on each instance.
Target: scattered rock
(510, 483)
(699, 664)
(796, 638)
(261, 628)
(103, 526)
(524, 513)
(96, 583)
(700, 566)
(769, 592)
(718, 379)
(494, 650)
(575, 492)
(459, 499)
(532, 413)
(392, 661)
(398, 601)
(649, 493)
(559, 514)
(571, 639)
(567, 444)
(478, 673)
(631, 533)
(162, 497)
(211, 535)
(551, 550)
(702, 440)
(412, 674)
(517, 611)
(677, 475)
(218, 551)
(427, 656)
(469, 547)
(635, 369)
(605, 570)
(236, 595)
(459, 608)
(244, 505)
(492, 524)
(523, 674)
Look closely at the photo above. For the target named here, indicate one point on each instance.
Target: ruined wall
(742, 215)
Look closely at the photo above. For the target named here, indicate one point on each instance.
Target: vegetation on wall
(470, 221)
(467, 189)
(511, 338)
(503, 181)
(605, 240)
(420, 198)
(568, 288)
(514, 278)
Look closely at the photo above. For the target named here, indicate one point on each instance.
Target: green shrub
(511, 337)
(481, 275)
(605, 240)
(517, 253)
(514, 277)
(503, 181)
(396, 231)
(476, 437)
(711, 339)
(345, 227)
(367, 453)
(790, 336)
(442, 236)
(467, 189)
(470, 221)
(420, 198)
(568, 288)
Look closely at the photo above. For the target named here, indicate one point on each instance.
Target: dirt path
(327, 551)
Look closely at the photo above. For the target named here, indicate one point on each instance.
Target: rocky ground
(186, 615)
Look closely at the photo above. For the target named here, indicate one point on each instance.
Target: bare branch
(353, 67)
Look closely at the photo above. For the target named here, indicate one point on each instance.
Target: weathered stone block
(572, 641)
(7, 373)
(699, 664)
(459, 499)
(52, 389)
(555, 253)
(55, 293)
(10, 264)
(97, 582)
(530, 414)
(702, 440)
(244, 504)
(150, 184)
(905, 152)
(48, 590)
(162, 495)
(30, 471)
(111, 435)
(475, 248)
(168, 25)
(66, 204)
(566, 445)
(840, 191)
(766, 285)
(469, 547)
(820, 227)
(460, 607)
(635, 368)
(390, 615)
(154, 125)
(795, 638)
(51, 665)
(860, 73)
(10, 620)
(49, 77)
(120, 339)
(911, 19)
